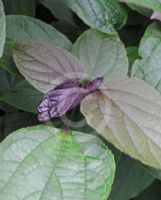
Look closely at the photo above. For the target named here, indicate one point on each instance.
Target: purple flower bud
(95, 84)
(64, 98)
(60, 100)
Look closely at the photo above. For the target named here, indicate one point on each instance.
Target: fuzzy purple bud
(95, 84)
(64, 98)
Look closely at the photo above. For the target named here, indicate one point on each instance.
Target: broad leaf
(148, 67)
(2, 28)
(151, 4)
(100, 14)
(128, 114)
(45, 163)
(19, 7)
(102, 55)
(23, 29)
(45, 66)
(130, 179)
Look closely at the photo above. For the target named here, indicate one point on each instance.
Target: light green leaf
(102, 55)
(45, 66)
(128, 114)
(45, 163)
(23, 29)
(2, 28)
(148, 67)
(130, 179)
(151, 4)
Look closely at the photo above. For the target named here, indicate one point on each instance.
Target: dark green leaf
(19, 7)
(151, 193)
(130, 179)
(22, 96)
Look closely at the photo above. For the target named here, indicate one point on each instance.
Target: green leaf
(148, 67)
(102, 55)
(128, 114)
(46, 66)
(132, 54)
(6, 62)
(154, 172)
(23, 29)
(2, 28)
(19, 7)
(151, 4)
(140, 9)
(6, 81)
(130, 180)
(100, 14)
(45, 163)
(22, 96)
(151, 193)
(60, 10)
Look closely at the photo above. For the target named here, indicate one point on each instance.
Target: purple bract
(65, 97)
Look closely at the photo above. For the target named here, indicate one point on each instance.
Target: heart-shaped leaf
(148, 67)
(45, 66)
(42, 162)
(2, 28)
(102, 55)
(20, 29)
(128, 114)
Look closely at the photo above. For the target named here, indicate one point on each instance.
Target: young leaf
(151, 4)
(128, 114)
(45, 66)
(42, 162)
(2, 28)
(148, 67)
(130, 179)
(20, 29)
(102, 55)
